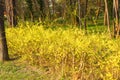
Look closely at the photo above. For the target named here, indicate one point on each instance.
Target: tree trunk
(99, 6)
(47, 9)
(107, 16)
(30, 7)
(3, 43)
(42, 9)
(11, 12)
(53, 9)
(85, 22)
(79, 12)
(116, 17)
(64, 9)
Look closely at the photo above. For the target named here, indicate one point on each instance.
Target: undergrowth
(66, 54)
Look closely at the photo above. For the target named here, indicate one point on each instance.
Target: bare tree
(116, 17)
(107, 15)
(79, 10)
(85, 22)
(11, 12)
(3, 43)
(42, 9)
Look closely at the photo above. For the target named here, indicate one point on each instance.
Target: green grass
(15, 70)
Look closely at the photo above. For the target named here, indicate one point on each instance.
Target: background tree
(42, 10)
(30, 7)
(72, 12)
(3, 44)
(85, 16)
(107, 15)
(116, 17)
(11, 12)
(21, 9)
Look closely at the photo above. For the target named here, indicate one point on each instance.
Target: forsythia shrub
(68, 53)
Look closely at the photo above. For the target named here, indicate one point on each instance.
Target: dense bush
(66, 54)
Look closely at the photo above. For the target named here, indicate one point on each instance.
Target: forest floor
(16, 70)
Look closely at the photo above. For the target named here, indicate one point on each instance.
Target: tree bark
(3, 43)
(42, 9)
(116, 17)
(30, 7)
(11, 12)
(53, 9)
(99, 6)
(107, 16)
(79, 12)
(47, 9)
(85, 22)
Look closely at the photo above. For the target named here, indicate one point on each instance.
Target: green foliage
(66, 54)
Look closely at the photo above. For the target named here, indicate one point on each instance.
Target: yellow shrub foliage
(68, 52)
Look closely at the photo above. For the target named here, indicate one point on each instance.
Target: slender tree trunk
(99, 6)
(107, 16)
(85, 22)
(47, 10)
(22, 11)
(3, 43)
(30, 7)
(64, 7)
(116, 17)
(32, 16)
(114, 28)
(42, 9)
(79, 10)
(11, 12)
(53, 8)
